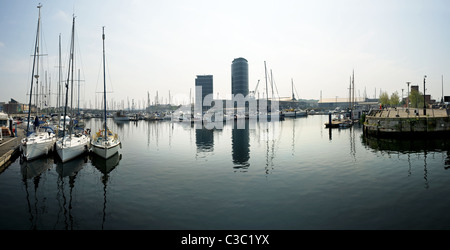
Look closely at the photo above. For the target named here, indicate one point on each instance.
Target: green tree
(384, 98)
(395, 99)
(416, 99)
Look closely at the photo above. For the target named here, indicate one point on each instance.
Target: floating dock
(407, 122)
(342, 121)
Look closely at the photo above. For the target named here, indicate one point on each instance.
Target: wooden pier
(9, 148)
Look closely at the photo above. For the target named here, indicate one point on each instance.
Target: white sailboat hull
(297, 113)
(301, 114)
(37, 145)
(105, 151)
(105, 145)
(71, 147)
(290, 114)
(121, 118)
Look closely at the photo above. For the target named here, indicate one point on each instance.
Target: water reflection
(105, 166)
(353, 136)
(406, 145)
(70, 168)
(420, 147)
(33, 169)
(67, 173)
(204, 139)
(32, 172)
(447, 160)
(240, 141)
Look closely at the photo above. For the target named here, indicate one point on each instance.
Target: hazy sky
(162, 45)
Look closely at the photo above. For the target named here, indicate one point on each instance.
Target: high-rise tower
(239, 77)
(206, 84)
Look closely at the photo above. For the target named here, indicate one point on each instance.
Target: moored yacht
(41, 140)
(72, 144)
(105, 143)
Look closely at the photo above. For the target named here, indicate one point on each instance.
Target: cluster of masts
(71, 144)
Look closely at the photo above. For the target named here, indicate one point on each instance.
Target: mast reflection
(410, 147)
(31, 174)
(67, 171)
(105, 166)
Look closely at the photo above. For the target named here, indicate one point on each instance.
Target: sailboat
(42, 140)
(105, 143)
(294, 112)
(72, 144)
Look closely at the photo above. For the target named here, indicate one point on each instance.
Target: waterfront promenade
(9, 147)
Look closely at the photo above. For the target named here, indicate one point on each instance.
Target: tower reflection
(240, 140)
(204, 139)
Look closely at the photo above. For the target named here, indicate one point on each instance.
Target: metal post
(407, 100)
(424, 102)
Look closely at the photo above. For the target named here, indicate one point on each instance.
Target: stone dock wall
(394, 122)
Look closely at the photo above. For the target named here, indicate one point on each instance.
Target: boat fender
(46, 151)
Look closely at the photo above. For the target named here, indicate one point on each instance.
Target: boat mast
(71, 80)
(104, 82)
(353, 94)
(442, 89)
(78, 104)
(37, 63)
(292, 86)
(271, 84)
(267, 89)
(350, 95)
(32, 72)
(71, 83)
(59, 78)
(68, 77)
(59, 101)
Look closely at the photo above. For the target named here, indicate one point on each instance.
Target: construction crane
(254, 92)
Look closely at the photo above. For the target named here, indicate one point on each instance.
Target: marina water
(291, 174)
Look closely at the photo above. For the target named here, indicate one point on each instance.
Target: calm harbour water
(293, 174)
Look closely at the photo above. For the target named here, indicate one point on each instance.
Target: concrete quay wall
(380, 124)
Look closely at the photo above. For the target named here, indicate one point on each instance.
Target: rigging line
(44, 48)
(78, 53)
(100, 70)
(276, 88)
(109, 74)
(298, 97)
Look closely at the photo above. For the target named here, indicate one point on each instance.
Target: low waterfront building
(14, 107)
(343, 103)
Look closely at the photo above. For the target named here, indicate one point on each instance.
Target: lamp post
(407, 100)
(424, 102)
(402, 95)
